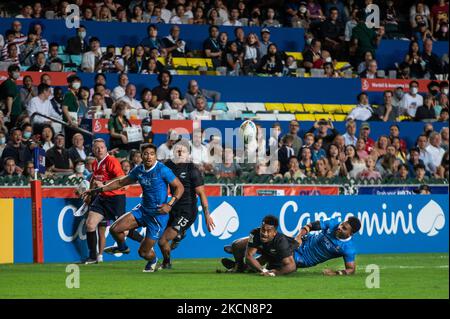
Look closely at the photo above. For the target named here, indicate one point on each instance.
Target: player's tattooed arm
(306, 229)
(200, 190)
(350, 269)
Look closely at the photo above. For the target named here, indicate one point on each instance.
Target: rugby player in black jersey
(184, 212)
(275, 248)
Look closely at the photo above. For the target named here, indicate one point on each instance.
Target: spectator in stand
(402, 173)
(100, 89)
(364, 65)
(180, 15)
(165, 13)
(199, 16)
(77, 44)
(364, 38)
(110, 62)
(27, 91)
(444, 138)
(12, 54)
(420, 173)
(435, 152)
(19, 37)
(119, 91)
(322, 168)
(233, 18)
(370, 172)
(297, 143)
(147, 134)
(152, 41)
(411, 100)
(323, 126)
(354, 164)
(444, 116)
(199, 152)
(317, 151)
(337, 161)
(57, 159)
(117, 125)
(165, 151)
(415, 61)
(270, 21)
(271, 63)
(175, 102)
(135, 158)
(91, 59)
(441, 34)
(138, 62)
(194, 91)
(439, 14)
(9, 94)
(312, 58)
(47, 137)
(332, 33)
(401, 156)
(306, 163)
(265, 42)
(227, 169)
(138, 15)
(442, 170)
(371, 72)
(426, 112)
(53, 50)
(40, 64)
(41, 103)
(414, 159)
(29, 49)
(433, 65)
(418, 9)
(422, 144)
(294, 171)
(78, 151)
(213, 17)
(234, 59)
(200, 113)
(173, 44)
(126, 166)
(162, 91)
(104, 14)
(239, 39)
(17, 150)
(380, 147)
(252, 55)
(9, 168)
(211, 46)
(387, 112)
(129, 97)
(146, 99)
(38, 28)
(350, 134)
(363, 111)
(361, 148)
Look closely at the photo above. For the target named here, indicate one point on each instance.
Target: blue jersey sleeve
(349, 255)
(167, 174)
(331, 223)
(133, 174)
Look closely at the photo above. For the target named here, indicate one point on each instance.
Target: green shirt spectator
(365, 39)
(71, 101)
(9, 89)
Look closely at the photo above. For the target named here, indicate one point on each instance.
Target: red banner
(58, 78)
(381, 85)
(100, 126)
(288, 190)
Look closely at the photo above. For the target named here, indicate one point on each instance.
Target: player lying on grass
(153, 212)
(334, 240)
(184, 212)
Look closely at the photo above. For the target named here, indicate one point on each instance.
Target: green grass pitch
(401, 276)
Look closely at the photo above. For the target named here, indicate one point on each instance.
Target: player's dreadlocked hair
(271, 220)
(354, 223)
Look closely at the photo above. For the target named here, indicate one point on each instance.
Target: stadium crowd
(335, 31)
(322, 152)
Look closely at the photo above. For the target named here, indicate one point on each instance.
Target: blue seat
(65, 58)
(76, 59)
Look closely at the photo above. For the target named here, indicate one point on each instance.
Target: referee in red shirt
(107, 205)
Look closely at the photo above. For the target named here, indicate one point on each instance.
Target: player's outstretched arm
(178, 188)
(200, 190)
(288, 266)
(306, 229)
(115, 184)
(350, 269)
(252, 261)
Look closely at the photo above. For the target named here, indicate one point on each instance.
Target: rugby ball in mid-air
(247, 130)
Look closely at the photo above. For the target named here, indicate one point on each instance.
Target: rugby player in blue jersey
(333, 240)
(153, 212)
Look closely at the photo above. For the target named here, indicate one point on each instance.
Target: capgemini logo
(226, 219)
(431, 219)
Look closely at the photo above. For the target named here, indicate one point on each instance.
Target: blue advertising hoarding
(390, 224)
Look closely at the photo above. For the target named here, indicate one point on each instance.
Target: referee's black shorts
(111, 207)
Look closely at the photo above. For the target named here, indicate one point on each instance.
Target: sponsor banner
(100, 126)
(381, 85)
(390, 224)
(285, 190)
(69, 192)
(397, 190)
(58, 78)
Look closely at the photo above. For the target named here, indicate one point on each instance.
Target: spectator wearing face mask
(147, 133)
(412, 100)
(77, 44)
(80, 170)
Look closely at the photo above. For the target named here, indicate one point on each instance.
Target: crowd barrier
(390, 224)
